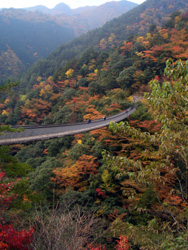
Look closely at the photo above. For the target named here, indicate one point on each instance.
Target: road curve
(45, 132)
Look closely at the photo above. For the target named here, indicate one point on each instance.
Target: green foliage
(141, 113)
(107, 184)
(32, 151)
(26, 198)
(178, 243)
(167, 102)
(40, 179)
(95, 88)
(126, 77)
(139, 189)
(6, 87)
(148, 198)
(77, 150)
(10, 165)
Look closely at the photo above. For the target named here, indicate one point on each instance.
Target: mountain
(131, 175)
(29, 35)
(141, 19)
(117, 8)
(96, 16)
(59, 9)
(90, 17)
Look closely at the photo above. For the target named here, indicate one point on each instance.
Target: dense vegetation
(119, 188)
(129, 24)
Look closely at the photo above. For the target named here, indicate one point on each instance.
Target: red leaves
(122, 243)
(2, 174)
(12, 239)
(99, 192)
(45, 151)
(97, 247)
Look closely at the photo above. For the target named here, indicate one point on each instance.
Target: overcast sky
(52, 3)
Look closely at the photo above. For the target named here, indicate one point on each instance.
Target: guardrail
(44, 132)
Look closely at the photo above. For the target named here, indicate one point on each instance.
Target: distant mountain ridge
(26, 37)
(62, 8)
(138, 21)
(30, 34)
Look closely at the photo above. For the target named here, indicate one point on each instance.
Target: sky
(52, 3)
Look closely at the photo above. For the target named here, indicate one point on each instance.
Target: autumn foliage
(11, 238)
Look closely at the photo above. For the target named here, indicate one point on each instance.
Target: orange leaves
(101, 134)
(176, 47)
(150, 125)
(127, 46)
(76, 175)
(165, 183)
(154, 52)
(112, 107)
(122, 243)
(92, 76)
(164, 33)
(78, 102)
(92, 113)
(35, 109)
(78, 138)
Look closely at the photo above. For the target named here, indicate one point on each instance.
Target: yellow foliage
(139, 53)
(92, 64)
(140, 39)
(50, 78)
(148, 36)
(42, 84)
(5, 113)
(39, 78)
(27, 103)
(42, 92)
(22, 97)
(130, 98)
(48, 88)
(7, 100)
(69, 73)
(177, 19)
(79, 142)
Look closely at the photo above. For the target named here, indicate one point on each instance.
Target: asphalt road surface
(37, 133)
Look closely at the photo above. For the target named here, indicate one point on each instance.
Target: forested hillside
(129, 24)
(122, 187)
(27, 36)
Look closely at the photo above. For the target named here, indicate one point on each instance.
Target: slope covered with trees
(131, 23)
(126, 184)
(27, 36)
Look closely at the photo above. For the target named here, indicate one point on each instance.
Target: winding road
(37, 133)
